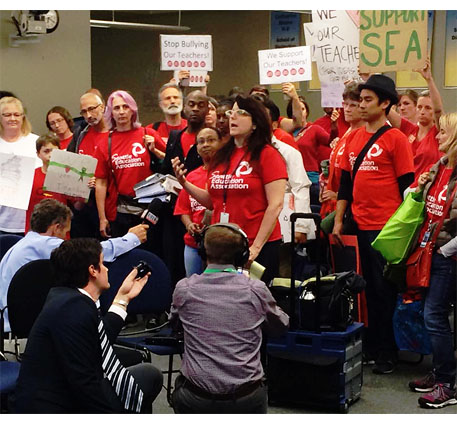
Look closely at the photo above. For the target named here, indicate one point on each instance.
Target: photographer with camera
(223, 313)
(69, 365)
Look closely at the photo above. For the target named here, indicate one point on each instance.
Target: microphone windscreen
(151, 214)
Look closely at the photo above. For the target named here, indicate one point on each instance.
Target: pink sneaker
(440, 397)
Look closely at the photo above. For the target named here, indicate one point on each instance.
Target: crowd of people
(240, 163)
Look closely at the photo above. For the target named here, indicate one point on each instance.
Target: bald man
(86, 138)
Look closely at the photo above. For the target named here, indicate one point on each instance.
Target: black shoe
(368, 358)
(384, 367)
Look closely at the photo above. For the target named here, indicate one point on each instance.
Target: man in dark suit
(65, 369)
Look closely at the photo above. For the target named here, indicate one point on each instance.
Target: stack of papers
(156, 186)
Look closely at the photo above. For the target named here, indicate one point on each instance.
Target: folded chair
(154, 298)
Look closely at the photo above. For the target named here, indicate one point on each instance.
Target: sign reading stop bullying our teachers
(190, 52)
(392, 40)
(285, 65)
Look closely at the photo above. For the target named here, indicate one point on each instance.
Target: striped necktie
(120, 378)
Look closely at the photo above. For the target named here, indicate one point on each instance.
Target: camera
(143, 268)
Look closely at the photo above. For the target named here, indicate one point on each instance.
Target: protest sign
(392, 40)
(309, 33)
(196, 79)
(191, 52)
(336, 42)
(69, 173)
(285, 65)
(411, 79)
(16, 179)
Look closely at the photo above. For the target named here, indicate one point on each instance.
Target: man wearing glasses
(85, 140)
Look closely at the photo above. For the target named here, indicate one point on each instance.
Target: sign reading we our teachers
(392, 40)
(285, 65)
(190, 52)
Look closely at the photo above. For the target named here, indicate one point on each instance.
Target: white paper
(285, 65)
(332, 94)
(69, 173)
(16, 180)
(309, 33)
(196, 78)
(336, 41)
(191, 52)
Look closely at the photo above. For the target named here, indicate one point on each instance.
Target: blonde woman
(438, 185)
(15, 137)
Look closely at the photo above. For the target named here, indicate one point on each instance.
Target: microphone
(151, 214)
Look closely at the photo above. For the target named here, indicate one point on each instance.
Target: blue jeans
(436, 315)
(192, 261)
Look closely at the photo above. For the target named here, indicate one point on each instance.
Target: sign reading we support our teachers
(191, 52)
(285, 65)
(392, 40)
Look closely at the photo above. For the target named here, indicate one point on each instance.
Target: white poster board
(191, 52)
(308, 31)
(336, 41)
(69, 173)
(196, 79)
(16, 180)
(285, 65)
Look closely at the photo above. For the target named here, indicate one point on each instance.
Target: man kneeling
(69, 365)
(223, 313)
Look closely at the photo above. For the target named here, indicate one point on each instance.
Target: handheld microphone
(151, 214)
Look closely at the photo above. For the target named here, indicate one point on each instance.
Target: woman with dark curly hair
(246, 183)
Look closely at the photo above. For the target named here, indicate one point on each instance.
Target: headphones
(241, 256)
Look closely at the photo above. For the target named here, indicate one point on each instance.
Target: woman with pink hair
(123, 160)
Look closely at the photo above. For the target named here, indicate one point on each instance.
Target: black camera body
(143, 268)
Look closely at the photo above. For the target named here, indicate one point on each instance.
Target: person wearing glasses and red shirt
(246, 183)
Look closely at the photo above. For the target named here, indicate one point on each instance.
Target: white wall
(54, 72)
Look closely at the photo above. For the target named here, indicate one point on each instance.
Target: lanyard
(214, 270)
(225, 180)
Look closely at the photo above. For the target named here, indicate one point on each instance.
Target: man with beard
(85, 141)
(170, 101)
(180, 144)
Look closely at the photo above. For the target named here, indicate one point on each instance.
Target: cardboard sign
(392, 40)
(69, 173)
(285, 65)
(16, 179)
(192, 52)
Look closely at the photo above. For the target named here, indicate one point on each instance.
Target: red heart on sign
(67, 169)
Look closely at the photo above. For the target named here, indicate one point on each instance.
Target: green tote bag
(395, 239)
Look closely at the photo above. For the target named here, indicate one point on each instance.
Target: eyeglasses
(90, 109)
(239, 112)
(9, 115)
(56, 122)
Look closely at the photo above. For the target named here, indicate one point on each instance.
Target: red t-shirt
(285, 137)
(425, 151)
(309, 140)
(187, 141)
(436, 198)
(334, 175)
(164, 131)
(129, 159)
(244, 181)
(326, 123)
(91, 141)
(39, 193)
(187, 205)
(65, 142)
(376, 195)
